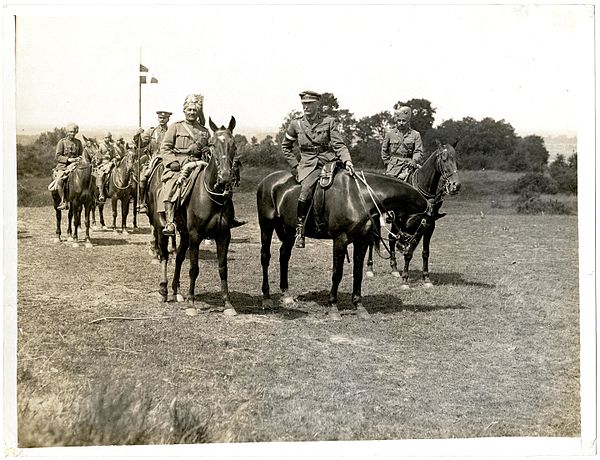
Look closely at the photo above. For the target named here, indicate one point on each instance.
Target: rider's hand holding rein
(349, 167)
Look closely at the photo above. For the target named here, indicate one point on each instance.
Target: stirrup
(169, 229)
(299, 243)
(63, 206)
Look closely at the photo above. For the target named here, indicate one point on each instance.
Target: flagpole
(139, 139)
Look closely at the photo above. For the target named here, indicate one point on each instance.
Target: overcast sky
(522, 64)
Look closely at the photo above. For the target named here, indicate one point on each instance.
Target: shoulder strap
(187, 128)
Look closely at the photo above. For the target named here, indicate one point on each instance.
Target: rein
(212, 194)
(441, 189)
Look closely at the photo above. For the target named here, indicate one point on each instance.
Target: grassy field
(492, 350)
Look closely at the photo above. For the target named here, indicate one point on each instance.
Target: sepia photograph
(299, 230)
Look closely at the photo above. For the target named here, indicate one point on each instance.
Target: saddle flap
(188, 184)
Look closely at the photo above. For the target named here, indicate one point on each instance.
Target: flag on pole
(144, 78)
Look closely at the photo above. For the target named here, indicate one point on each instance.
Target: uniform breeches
(169, 191)
(308, 185)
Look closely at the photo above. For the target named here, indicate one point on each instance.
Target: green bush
(534, 184)
(536, 205)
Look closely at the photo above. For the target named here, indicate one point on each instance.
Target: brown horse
(121, 186)
(437, 177)
(80, 195)
(206, 213)
(347, 212)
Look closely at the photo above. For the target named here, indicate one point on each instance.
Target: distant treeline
(485, 144)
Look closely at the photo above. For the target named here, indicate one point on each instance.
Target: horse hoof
(267, 304)
(428, 285)
(362, 313)
(69, 239)
(287, 300)
(191, 311)
(396, 274)
(178, 298)
(125, 232)
(230, 312)
(334, 314)
(404, 287)
(370, 274)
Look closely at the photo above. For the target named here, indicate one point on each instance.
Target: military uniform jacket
(319, 141)
(66, 149)
(152, 139)
(107, 152)
(397, 147)
(180, 136)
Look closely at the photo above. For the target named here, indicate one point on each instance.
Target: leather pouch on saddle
(327, 174)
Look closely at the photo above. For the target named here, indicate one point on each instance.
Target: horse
(121, 186)
(80, 195)
(206, 213)
(346, 213)
(435, 178)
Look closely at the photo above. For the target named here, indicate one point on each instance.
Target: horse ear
(212, 124)
(231, 124)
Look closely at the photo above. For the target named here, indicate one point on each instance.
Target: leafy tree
(422, 114)
(564, 172)
(533, 153)
(240, 141)
(346, 122)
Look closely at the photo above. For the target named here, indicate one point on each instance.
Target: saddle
(326, 177)
(327, 173)
(188, 184)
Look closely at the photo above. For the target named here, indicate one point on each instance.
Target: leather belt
(315, 149)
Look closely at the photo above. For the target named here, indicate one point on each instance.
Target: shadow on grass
(108, 241)
(246, 304)
(443, 279)
(378, 303)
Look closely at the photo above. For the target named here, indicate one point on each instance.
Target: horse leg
(408, 254)
(124, 214)
(370, 273)
(194, 243)
(58, 215)
(359, 259)
(180, 257)
(266, 236)
(70, 227)
(163, 255)
(285, 252)
(113, 202)
(101, 213)
(223, 241)
(76, 223)
(134, 210)
(426, 240)
(88, 241)
(393, 262)
(339, 254)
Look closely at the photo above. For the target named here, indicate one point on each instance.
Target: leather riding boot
(169, 229)
(142, 207)
(64, 205)
(302, 210)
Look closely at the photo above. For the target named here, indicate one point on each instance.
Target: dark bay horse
(80, 195)
(435, 178)
(121, 186)
(348, 213)
(206, 213)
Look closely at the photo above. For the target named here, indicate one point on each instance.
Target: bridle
(220, 197)
(441, 158)
(129, 158)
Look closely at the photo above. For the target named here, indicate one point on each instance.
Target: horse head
(445, 158)
(223, 150)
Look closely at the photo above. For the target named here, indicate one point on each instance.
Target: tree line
(481, 144)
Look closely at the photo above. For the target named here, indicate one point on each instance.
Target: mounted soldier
(320, 144)
(108, 158)
(68, 152)
(150, 141)
(402, 147)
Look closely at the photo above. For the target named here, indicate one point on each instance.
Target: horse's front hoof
(267, 304)
(396, 274)
(370, 274)
(428, 284)
(362, 313)
(230, 311)
(334, 314)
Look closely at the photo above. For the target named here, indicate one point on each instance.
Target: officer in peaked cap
(402, 147)
(150, 140)
(68, 151)
(320, 143)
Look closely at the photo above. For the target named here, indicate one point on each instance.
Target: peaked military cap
(403, 113)
(310, 96)
(164, 112)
